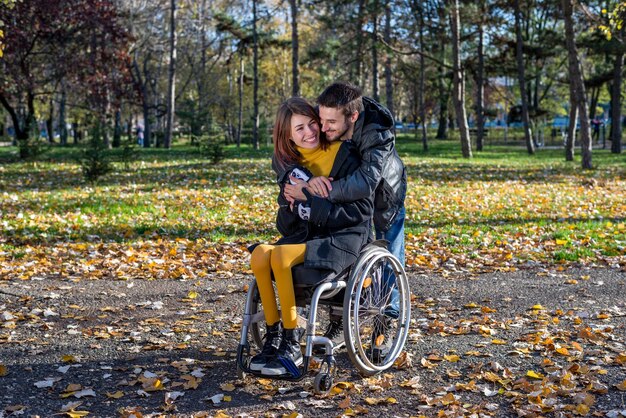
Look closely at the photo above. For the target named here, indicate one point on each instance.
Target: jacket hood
(374, 116)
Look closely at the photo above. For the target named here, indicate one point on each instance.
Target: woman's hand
(294, 192)
(320, 186)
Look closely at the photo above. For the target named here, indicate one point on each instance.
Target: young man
(347, 115)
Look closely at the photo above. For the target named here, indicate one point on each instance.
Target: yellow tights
(279, 259)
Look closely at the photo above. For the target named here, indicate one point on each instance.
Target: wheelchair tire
(257, 328)
(374, 336)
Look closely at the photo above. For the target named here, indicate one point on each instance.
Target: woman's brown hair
(285, 151)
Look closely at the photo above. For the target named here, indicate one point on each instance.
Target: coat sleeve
(287, 222)
(363, 182)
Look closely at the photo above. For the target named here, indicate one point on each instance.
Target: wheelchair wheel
(376, 322)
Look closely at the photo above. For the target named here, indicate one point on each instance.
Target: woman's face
(305, 132)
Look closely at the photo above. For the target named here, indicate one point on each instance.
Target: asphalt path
(536, 341)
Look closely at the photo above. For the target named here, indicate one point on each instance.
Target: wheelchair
(375, 331)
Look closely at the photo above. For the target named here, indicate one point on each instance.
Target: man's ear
(354, 116)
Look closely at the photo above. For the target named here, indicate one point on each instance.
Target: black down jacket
(381, 171)
(335, 232)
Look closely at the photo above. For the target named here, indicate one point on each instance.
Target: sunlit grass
(500, 208)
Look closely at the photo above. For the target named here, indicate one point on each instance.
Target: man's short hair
(342, 95)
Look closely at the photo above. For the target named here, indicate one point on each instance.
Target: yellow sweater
(320, 161)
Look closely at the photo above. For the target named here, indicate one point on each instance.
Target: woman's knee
(261, 256)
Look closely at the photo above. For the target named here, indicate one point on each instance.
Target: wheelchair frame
(363, 294)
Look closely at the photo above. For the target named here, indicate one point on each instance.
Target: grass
(499, 209)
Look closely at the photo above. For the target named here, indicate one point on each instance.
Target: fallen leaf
(534, 375)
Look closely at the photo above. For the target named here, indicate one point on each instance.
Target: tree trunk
(240, 91)
(255, 116)
(530, 146)
(616, 105)
(422, 82)
(480, 90)
(570, 141)
(50, 123)
(375, 85)
(171, 80)
(356, 71)
(202, 95)
(117, 129)
(295, 46)
(458, 96)
(388, 69)
(577, 85)
(62, 118)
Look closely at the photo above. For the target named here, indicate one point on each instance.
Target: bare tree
(388, 69)
(519, 54)
(295, 85)
(577, 90)
(171, 82)
(458, 96)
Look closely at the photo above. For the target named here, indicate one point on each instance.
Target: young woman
(316, 232)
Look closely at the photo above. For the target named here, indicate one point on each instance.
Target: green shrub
(95, 159)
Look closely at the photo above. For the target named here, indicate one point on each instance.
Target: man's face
(335, 124)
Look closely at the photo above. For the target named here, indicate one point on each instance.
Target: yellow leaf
(3, 370)
(115, 395)
(77, 414)
(68, 358)
(582, 409)
(367, 282)
(562, 351)
(453, 358)
(534, 374)
(621, 386)
(471, 305)
(379, 340)
(448, 399)
(228, 387)
(227, 398)
(561, 241)
(538, 307)
(372, 401)
(571, 281)
(498, 342)
(192, 294)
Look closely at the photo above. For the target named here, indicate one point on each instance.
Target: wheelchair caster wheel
(323, 383)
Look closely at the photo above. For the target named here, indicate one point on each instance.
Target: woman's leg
(289, 356)
(261, 267)
(283, 258)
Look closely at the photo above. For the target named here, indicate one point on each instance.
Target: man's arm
(363, 182)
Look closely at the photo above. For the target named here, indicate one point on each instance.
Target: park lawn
(172, 214)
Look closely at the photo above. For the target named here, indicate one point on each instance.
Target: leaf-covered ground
(534, 343)
(70, 254)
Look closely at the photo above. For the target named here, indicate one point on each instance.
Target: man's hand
(320, 186)
(294, 192)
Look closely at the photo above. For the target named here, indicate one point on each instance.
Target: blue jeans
(395, 236)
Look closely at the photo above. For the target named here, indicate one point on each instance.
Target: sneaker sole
(257, 367)
(279, 372)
